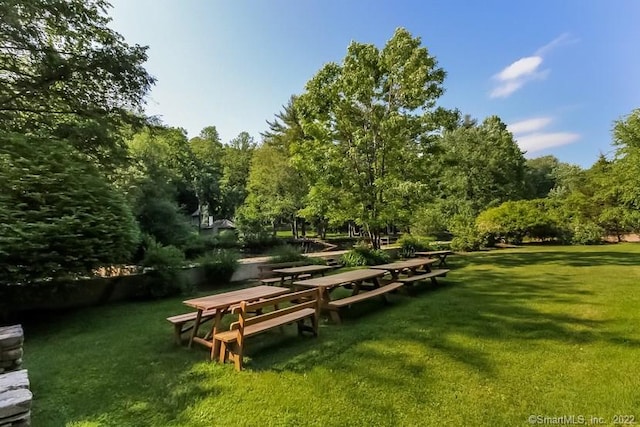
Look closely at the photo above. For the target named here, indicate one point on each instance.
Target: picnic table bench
(355, 280)
(417, 269)
(183, 323)
(221, 304)
(440, 255)
(304, 305)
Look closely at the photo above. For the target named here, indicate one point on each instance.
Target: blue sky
(558, 72)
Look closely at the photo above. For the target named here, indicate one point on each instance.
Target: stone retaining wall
(15, 396)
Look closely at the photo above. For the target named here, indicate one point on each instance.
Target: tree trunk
(304, 228)
(294, 227)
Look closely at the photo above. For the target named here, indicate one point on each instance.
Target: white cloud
(539, 141)
(520, 68)
(525, 69)
(505, 89)
(563, 39)
(529, 125)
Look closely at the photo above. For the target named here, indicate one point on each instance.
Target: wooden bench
(305, 305)
(267, 277)
(179, 321)
(335, 305)
(420, 277)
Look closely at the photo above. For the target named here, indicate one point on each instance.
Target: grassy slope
(542, 330)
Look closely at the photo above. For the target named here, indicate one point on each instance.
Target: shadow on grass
(478, 300)
(117, 363)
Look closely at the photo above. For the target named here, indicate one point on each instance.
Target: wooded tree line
(88, 181)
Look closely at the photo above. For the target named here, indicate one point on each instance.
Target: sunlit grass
(510, 333)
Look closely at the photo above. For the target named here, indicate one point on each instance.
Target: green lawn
(510, 333)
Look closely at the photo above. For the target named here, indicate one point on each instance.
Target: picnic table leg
(196, 325)
(215, 347)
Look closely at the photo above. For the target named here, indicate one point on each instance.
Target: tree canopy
(65, 73)
(367, 121)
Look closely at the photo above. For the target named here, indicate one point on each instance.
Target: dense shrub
(410, 244)
(513, 221)
(285, 253)
(59, 218)
(257, 243)
(467, 237)
(219, 265)
(227, 239)
(162, 271)
(362, 255)
(202, 244)
(159, 215)
(586, 234)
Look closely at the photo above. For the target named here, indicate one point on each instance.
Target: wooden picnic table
(222, 303)
(295, 272)
(441, 255)
(353, 278)
(412, 265)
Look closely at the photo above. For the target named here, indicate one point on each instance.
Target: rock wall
(15, 396)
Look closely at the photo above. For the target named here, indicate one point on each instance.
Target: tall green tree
(66, 74)
(286, 134)
(366, 121)
(206, 171)
(236, 162)
(539, 176)
(160, 183)
(478, 166)
(272, 190)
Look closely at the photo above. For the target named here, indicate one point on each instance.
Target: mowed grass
(547, 331)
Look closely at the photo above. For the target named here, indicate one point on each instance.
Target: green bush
(285, 253)
(227, 239)
(59, 218)
(467, 237)
(587, 234)
(410, 244)
(362, 255)
(219, 265)
(163, 265)
(257, 243)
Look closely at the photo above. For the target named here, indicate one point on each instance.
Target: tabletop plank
(226, 299)
(436, 253)
(313, 268)
(409, 263)
(341, 278)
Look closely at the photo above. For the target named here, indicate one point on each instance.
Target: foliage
(410, 244)
(59, 218)
(467, 237)
(158, 214)
(586, 234)
(513, 221)
(362, 255)
(285, 253)
(219, 265)
(273, 191)
(431, 220)
(366, 121)
(477, 167)
(66, 74)
(206, 160)
(163, 265)
(236, 161)
(540, 176)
